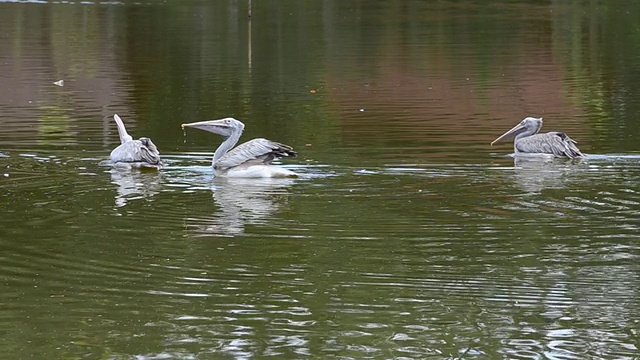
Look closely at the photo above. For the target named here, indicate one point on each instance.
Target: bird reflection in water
(133, 185)
(242, 202)
(534, 175)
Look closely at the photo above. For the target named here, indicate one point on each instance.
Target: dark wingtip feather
(285, 151)
(572, 150)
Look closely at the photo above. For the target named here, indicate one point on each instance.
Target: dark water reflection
(406, 235)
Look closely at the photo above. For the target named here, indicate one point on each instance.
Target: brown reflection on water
(422, 88)
(60, 44)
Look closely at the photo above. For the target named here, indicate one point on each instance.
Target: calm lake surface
(407, 235)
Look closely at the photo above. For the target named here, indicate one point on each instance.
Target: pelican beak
(223, 127)
(509, 134)
(206, 125)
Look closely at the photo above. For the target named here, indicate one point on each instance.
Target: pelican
(141, 153)
(528, 141)
(251, 159)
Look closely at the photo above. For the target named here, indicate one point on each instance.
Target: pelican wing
(256, 151)
(556, 143)
(149, 152)
(141, 151)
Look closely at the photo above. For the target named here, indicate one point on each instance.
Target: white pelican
(251, 159)
(528, 141)
(141, 153)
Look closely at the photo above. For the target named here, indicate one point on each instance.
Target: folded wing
(137, 151)
(556, 143)
(253, 152)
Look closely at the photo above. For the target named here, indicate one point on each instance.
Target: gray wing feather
(556, 143)
(256, 151)
(142, 150)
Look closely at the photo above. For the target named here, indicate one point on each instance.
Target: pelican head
(224, 127)
(527, 127)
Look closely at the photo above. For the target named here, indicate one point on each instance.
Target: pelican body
(527, 141)
(141, 153)
(251, 159)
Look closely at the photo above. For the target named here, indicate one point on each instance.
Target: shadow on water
(238, 202)
(135, 185)
(534, 174)
(241, 202)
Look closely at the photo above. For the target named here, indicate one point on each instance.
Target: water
(406, 235)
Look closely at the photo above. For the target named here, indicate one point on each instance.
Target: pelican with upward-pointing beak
(141, 153)
(527, 141)
(251, 159)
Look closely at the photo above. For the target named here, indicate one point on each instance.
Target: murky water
(406, 235)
